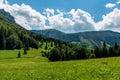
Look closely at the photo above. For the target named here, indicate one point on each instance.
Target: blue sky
(95, 7)
(69, 16)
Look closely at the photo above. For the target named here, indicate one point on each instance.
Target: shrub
(54, 55)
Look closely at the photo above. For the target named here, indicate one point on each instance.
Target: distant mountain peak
(7, 15)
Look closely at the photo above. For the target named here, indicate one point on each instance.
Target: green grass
(35, 67)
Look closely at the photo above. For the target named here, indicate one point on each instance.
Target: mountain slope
(7, 15)
(93, 38)
(51, 33)
(13, 36)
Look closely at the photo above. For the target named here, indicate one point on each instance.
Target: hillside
(7, 15)
(84, 38)
(13, 36)
(52, 33)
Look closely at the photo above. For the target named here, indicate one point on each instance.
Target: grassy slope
(35, 67)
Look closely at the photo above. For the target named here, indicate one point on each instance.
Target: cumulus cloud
(58, 21)
(82, 20)
(24, 15)
(118, 2)
(110, 5)
(72, 21)
(110, 21)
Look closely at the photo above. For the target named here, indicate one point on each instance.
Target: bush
(19, 55)
(54, 55)
(25, 51)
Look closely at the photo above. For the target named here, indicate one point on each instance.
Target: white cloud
(72, 21)
(82, 20)
(111, 21)
(110, 5)
(25, 15)
(118, 2)
(58, 21)
(49, 11)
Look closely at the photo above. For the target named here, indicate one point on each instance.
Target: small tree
(116, 46)
(54, 55)
(25, 51)
(111, 52)
(46, 46)
(104, 50)
(2, 39)
(19, 55)
(51, 44)
(97, 52)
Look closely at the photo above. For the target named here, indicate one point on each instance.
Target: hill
(13, 36)
(52, 33)
(92, 38)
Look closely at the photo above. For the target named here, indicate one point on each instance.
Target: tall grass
(34, 67)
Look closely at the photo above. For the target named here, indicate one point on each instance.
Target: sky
(69, 16)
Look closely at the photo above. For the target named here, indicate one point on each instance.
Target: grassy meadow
(34, 67)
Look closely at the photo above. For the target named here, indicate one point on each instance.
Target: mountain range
(86, 39)
(13, 36)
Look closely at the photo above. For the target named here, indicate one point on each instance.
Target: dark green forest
(64, 52)
(13, 36)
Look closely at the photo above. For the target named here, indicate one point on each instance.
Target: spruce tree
(116, 46)
(104, 50)
(46, 46)
(2, 39)
(25, 51)
(19, 55)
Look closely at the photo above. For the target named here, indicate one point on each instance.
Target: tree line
(105, 51)
(19, 38)
(64, 52)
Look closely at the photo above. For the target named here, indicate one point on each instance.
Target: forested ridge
(85, 39)
(13, 36)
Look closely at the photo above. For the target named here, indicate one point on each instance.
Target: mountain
(13, 36)
(51, 33)
(91, 38)
(7, 15)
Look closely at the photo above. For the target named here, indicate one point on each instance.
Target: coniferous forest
(73, 52)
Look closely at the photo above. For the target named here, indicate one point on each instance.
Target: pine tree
(19, 55)
(111, 52)
(116, 46)
(51, 44)
(104, 50)
(25, 51)
(46, 46)
(97, 52)
(2, 39)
